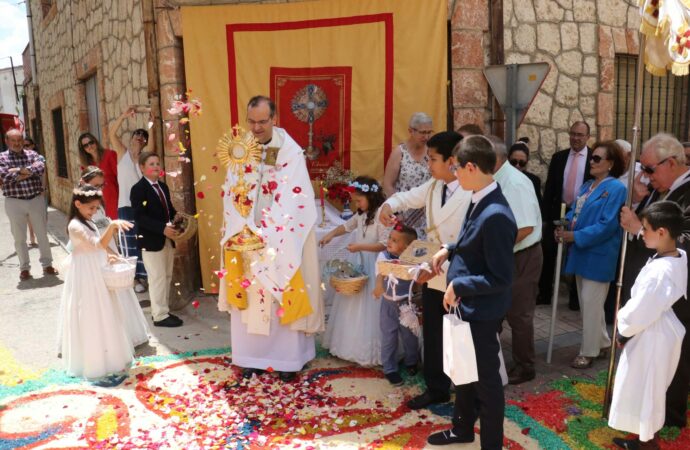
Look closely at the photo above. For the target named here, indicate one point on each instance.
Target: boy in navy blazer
(155, 213)
(479, 282)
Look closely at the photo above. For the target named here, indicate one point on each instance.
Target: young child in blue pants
(394, 294)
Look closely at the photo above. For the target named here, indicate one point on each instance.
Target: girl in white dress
(133, 316)
(650, 332)
(352, 331)
(94, 339)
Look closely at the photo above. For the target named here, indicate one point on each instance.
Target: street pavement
(29, 309)
(29, 318)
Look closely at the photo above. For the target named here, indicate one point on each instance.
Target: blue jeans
(127, 213)
(390, 329)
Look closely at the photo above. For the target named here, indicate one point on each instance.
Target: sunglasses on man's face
(518, 162)
(649, 170)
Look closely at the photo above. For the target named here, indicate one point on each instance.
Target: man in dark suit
(568, 170)
(154, 213)
(663, 161)
(480, 276)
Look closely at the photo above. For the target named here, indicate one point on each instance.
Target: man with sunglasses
(663, 161)
(568, 170)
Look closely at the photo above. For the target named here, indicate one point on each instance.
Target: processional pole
(637, 116)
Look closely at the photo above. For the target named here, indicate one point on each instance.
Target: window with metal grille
(60, 154)
(665, 105)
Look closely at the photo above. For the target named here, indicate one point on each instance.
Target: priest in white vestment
(650, 357)
(272, 293)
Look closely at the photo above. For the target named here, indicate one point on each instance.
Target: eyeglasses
(649, 170)
(263, 123)
(423, 132)
(596, 159)
(88, 143)
(518, 162)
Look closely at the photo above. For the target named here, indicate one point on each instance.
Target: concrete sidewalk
(29, 314)
(29, 309)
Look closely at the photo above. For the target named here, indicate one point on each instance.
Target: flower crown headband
(374, 187)
(78, 191)
(91, 172)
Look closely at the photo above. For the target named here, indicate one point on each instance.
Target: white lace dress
(412, 174)
(94, 340)
(133, 316)
(353, 332)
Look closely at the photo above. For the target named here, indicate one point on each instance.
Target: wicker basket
(189, 227)
(350, 285)
(397, 268)
(120, 275)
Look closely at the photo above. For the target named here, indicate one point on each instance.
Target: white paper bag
(459, 359)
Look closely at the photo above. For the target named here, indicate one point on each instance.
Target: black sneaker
(448, 437)
(394, 378)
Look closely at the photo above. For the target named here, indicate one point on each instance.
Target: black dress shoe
(248, 372)
(287, 377)
(448, 437)
(520, 375)
(170, 322)
(425, 399)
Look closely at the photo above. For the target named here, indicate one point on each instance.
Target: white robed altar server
(272, 293)
(649, 360)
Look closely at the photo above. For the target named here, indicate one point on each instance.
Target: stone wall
(469, 42)
(73, 41)
(576, 38)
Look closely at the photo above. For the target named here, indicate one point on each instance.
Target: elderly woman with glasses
(92, 153)
(518, 156)
(595, 237)
(408, 167)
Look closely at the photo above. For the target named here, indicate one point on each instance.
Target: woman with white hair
(407, 167)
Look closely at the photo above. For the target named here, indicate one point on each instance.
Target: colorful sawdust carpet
(198, 400)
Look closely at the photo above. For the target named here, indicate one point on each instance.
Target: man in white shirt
(446, 204)
(519, 192)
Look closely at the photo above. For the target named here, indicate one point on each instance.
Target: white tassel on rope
(408, 312)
